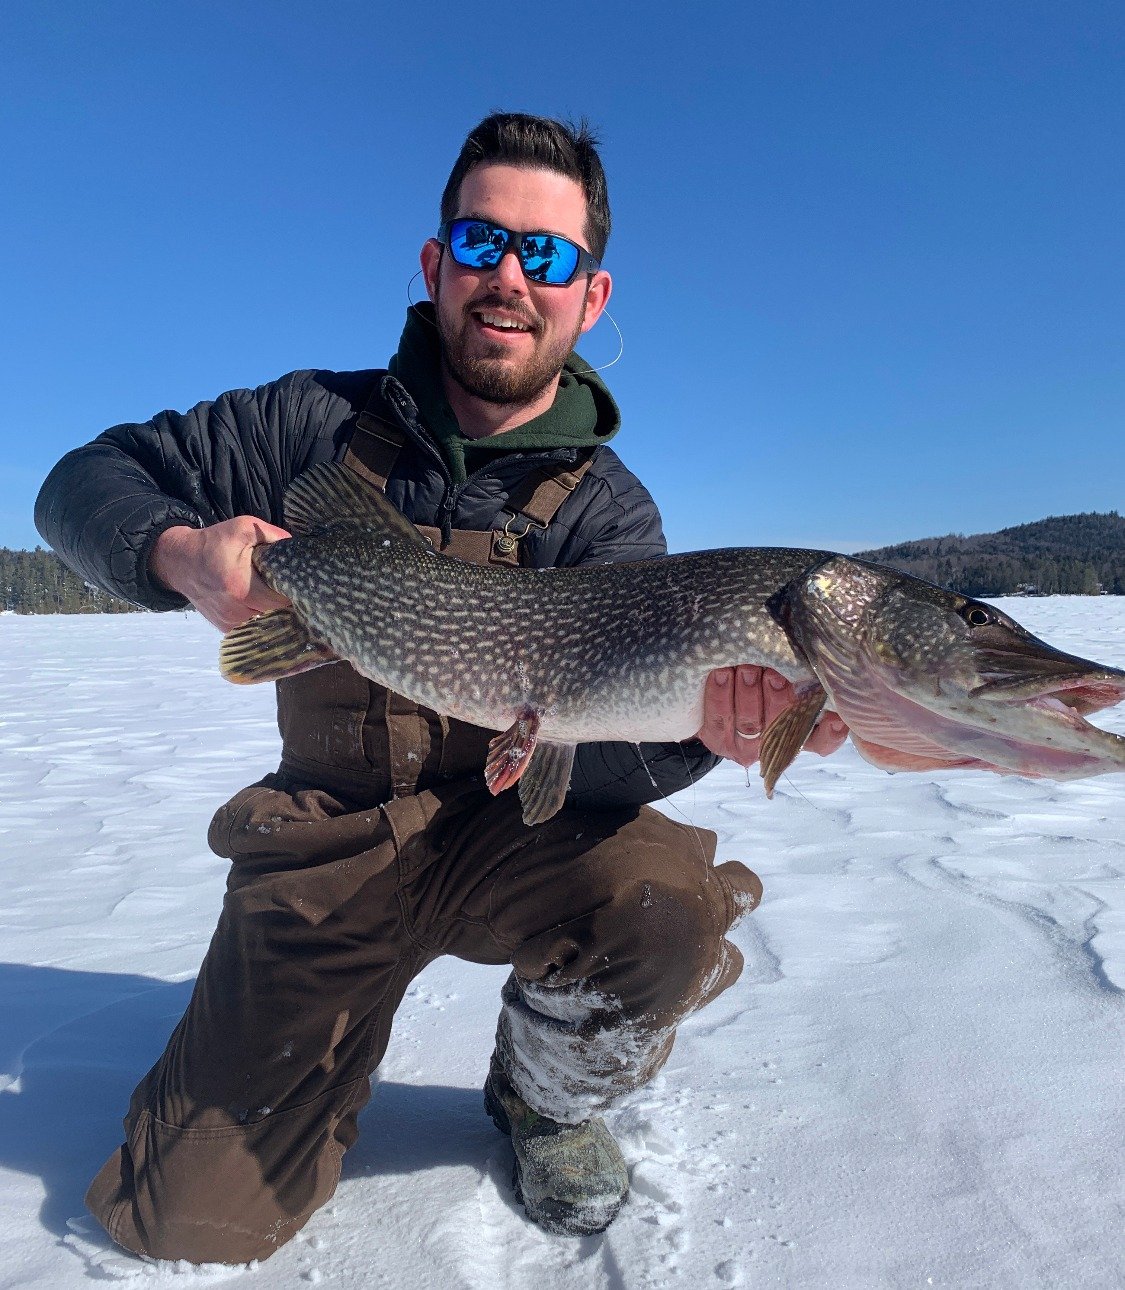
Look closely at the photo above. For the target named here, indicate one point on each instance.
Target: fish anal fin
(270, 647)
(785, 736)
(331, 494)
(544, 783)
(510, 752)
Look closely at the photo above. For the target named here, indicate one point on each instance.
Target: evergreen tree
(1068, 554)
(37, 582)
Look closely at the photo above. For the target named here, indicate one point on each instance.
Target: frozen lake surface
(917, 1081)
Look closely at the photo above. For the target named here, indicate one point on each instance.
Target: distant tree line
(1069, 554)
(1066, 554)
(37, 582)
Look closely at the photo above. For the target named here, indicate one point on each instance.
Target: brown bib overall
(373, 851)
(346, 734)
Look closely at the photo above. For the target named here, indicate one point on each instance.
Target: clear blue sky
(868, 257)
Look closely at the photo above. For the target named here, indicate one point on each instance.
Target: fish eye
(975, 616)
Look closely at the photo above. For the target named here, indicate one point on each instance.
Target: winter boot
(570, 1178)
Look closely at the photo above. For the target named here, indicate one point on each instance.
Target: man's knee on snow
(224, 1193)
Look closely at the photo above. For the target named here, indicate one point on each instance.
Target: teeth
(509, 324)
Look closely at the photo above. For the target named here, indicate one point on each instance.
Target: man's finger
(733, 703)
(718, 702)
(260, 596)
(267, 533)
(777, 695)
(749, 710)
(829, 734)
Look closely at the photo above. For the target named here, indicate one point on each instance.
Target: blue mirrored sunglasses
(544, 257)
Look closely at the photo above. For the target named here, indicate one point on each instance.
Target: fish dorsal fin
(331, 494)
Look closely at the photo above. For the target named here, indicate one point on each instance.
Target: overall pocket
(299, 848)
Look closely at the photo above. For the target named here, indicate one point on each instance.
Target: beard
(492, 377)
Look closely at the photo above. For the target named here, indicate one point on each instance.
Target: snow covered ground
(918, 1080)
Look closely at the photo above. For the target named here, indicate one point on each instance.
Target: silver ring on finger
(748, 734)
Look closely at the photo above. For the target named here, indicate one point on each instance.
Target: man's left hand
(740, 702)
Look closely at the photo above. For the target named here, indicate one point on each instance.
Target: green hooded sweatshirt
(583, 414)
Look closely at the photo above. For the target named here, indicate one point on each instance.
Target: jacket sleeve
(105, 504)
(613, 775)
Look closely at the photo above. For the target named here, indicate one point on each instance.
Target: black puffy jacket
(104, 505)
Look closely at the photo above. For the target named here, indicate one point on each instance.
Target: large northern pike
(923, 677)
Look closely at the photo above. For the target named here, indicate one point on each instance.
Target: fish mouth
(1042, 737)
(1021, 725)
(1082, 689)
(1059, 686)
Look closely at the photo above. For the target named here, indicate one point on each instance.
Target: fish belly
(657, 718)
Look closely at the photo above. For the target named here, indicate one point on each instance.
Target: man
(375, 847)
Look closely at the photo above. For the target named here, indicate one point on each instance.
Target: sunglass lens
(476, 245)
(547, 258)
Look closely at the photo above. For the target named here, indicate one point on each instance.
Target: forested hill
(1074, 554)
(37, 582)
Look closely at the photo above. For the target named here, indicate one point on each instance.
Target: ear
(597, 297)
(430, 259)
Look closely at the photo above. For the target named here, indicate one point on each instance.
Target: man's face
(512, 365)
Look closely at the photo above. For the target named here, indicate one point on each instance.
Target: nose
(507, 275)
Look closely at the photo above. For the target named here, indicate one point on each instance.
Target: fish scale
(601, 651)
(924, 677)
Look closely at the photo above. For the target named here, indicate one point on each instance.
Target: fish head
(926, 677)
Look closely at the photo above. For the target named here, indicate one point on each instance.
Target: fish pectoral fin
(785, 736)
(544, 784)
(330, 494)
(269, 647)
(509, 753)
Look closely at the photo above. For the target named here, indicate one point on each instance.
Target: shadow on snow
(74, 1044)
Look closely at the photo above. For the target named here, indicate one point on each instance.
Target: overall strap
(376, 441)
(374, 448)
(536, 499)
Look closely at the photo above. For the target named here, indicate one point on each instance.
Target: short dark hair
(537, 142)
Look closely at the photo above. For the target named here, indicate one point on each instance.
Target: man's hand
(740, 702)
(213, 569)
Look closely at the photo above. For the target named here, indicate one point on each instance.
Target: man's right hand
(213, 569)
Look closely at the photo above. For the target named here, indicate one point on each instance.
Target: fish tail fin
(269, 647)
(331, 493)
(785, 736)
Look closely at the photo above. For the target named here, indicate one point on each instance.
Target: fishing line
(793, 786)
(802, 796)
(668, 801)
(691, 780)
(620, 338)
